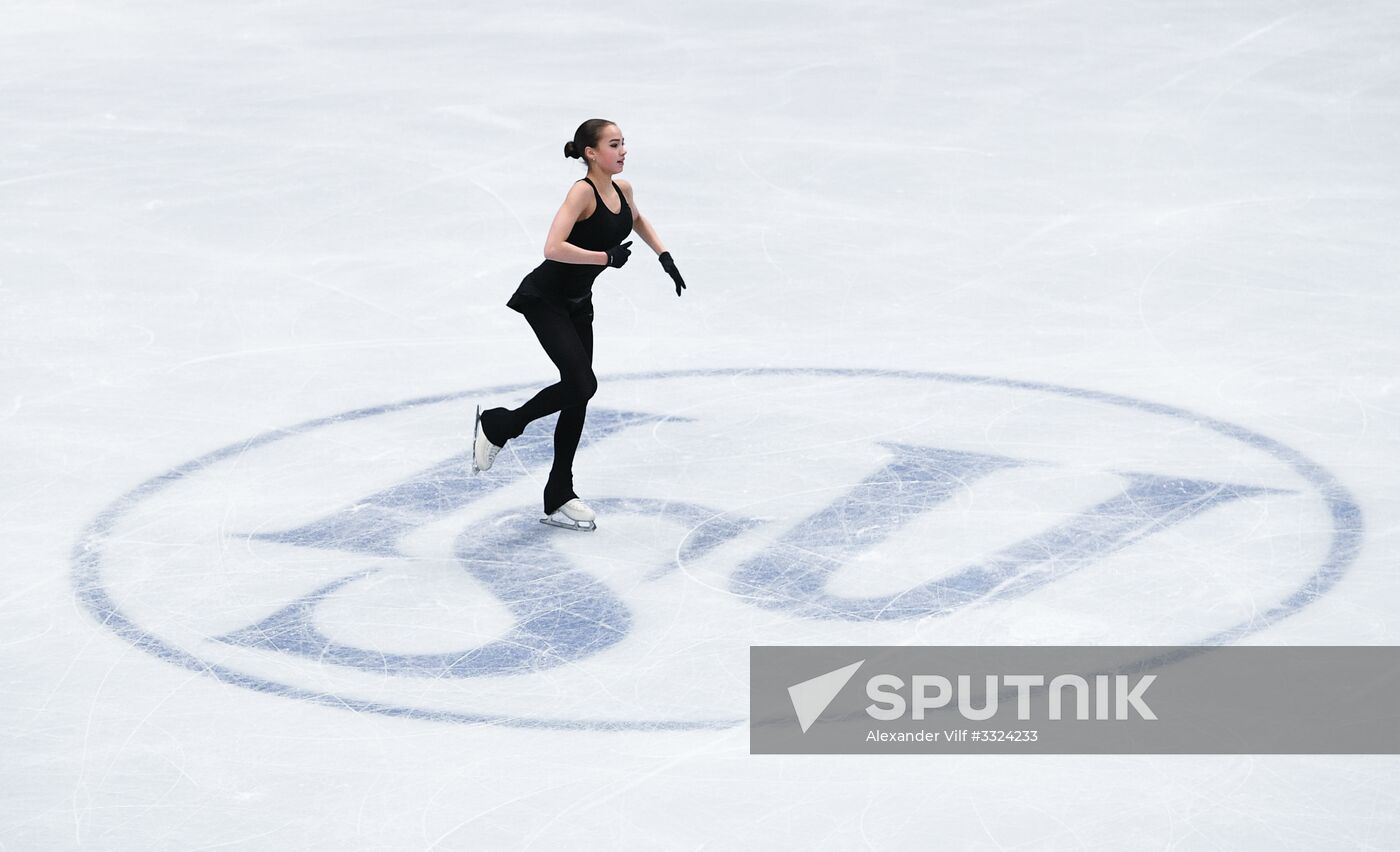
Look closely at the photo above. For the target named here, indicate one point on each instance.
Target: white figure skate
(483, 451)
(573, 515)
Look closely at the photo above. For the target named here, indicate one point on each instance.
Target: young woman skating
(556, 299)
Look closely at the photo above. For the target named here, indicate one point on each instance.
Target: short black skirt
(542, 291)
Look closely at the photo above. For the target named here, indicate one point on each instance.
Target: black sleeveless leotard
(567, 288)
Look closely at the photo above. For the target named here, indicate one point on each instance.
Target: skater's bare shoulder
(579, 202)
(625, 187)
(578, 205)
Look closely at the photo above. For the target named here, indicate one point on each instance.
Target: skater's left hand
(670, 266)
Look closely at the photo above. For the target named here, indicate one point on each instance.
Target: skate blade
(476, 429)
(576, 526)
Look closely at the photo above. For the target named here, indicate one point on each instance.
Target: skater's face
(610, 151)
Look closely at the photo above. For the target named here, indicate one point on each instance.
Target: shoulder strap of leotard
(595, 192)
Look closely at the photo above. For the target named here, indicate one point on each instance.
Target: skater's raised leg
(568, 341)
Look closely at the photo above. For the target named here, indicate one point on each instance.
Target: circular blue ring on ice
(90, 590)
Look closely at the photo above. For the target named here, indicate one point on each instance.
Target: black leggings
(568, 341)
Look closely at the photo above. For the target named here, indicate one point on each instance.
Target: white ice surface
(221, 220)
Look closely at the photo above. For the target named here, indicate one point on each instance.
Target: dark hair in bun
(586, 137)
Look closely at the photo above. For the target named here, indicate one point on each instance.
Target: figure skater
(556, 298)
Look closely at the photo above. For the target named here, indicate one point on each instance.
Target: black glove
(670, 266)
(617, 255)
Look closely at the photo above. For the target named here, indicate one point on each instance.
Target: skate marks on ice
(355, 561)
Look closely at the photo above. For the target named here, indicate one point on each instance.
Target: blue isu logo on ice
(354, 561)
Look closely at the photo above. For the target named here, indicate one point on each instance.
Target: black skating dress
(567, 288)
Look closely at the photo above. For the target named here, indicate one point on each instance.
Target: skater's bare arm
(640, 223)
(557, 246)
(643, 227)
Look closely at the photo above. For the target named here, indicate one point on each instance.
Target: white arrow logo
(811, 697)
